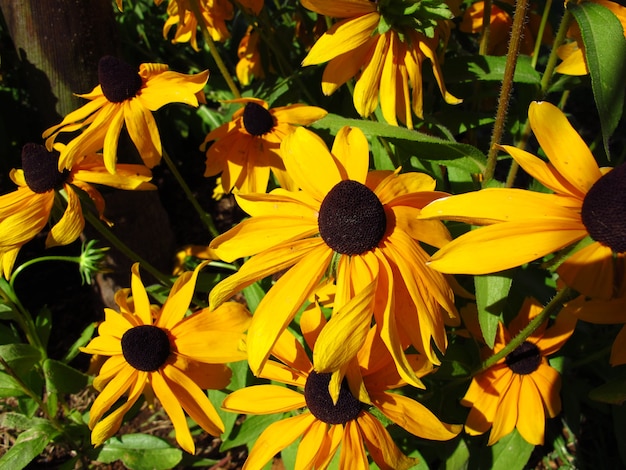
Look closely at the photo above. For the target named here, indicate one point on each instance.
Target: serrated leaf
(140, 452)
(605, 53)
(61, 378)
(492, 291)
(27, 447)
(489, 69)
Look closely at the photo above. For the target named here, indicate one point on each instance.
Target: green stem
(542, 28)
(123, 248)
(484, 35)
(24, 318)
(552, 59)
(206, 218)
(519, 18)
(553, 307)
(26, 389)
(195, 8)
(70, 259)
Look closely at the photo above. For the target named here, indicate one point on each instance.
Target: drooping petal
(345, 66)
(311, 445)
(111, 139)
(366, 89)
(71, 224)
(381, 446)
(118, 386)
(143, 131)
(353, 454)
(548, 383)
(531, 418)
(590, 271)
(507, 413)
(172, 87)
(565, 148)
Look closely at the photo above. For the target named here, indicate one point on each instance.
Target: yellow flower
(572, 53)
(520, 389)
(26, 211)
(524, 226)
(124, 96)
(500, 28)
(326, 425)
(249, 65)
(174, 356)
(346, 225)
(248, 147)
(214, 15)
(387, 63)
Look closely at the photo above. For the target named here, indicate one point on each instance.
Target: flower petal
(143, 131)
(531, 419)
(339, 8)
(264, 399)
(353, 454)
(140, 297)
(352, 150)
(381, 446)
(71, 224)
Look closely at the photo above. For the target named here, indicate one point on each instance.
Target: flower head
(214, 14)
(248, 147)
(326, 423)
(26, 211)
(346, 226)
(124, 96)
(383, 44)
(524, 225)
(177, 357)
(520, 389)
(249, 65)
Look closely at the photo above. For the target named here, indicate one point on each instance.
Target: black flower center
(119, 80)
(41, 170)
(604, 210)
(146, 347)
(351, 218)
(321, 405)
(524, 359)
(256, 119)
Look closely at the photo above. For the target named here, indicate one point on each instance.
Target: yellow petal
(263, 399)
(345, 333)
(143, 131)
(352, 150)
(507, 413)
(111, 138)
(353, 454)
(172, 87)
(279, 202)
(298, 114)
(276, 437)
(590, 271)
(290, 351)
(172, 407)
(118, 386)
(281, 303)
(566, 150)
(214, 347)
(339, 8)
(548, 383)
(414, 417)
(309, 162)
(179, 298)
(531, 420)
(389, 85)
(381, 446)
(71, 225)
(262, 265)
(193, 400)
(311, 445)
(140, 297)
(366, 89)
(488, 249)
(345, 66)
(573, 60)
(342, 37)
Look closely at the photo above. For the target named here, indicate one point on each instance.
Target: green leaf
(613, 392)
(605, 53)
(19, 422)
(82, 341)
(43, 324)
(140, 452)
(250, 430)
(424, 146)
(61, 378)
(254, 294)
(492, 291)
(28, 446)
(458, 459)
(21, 357)
(9, 387)
(489, 69)
(510, 453)
(7, 312)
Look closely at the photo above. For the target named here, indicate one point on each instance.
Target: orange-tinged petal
(275, 438)
(264, 399)
(118, 386)
(281, 303)
(311, 445)
(555, 337)
(111, 138)
(342, 37)
(428, 50)
(488, 249)
(531, 418)
(172, 87)
(343, 336)
(309, 162)
(563, 145)
(352, 150)
(193, 400)
(329, 446)
(507, 413)
(381, 446)
(71, 224)
(618, 351)
(262, 265)
(590, 271)
(345, 66)
(353, 454)
(548, 383)
(111, 368)
(174, 410)
(414, 417)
